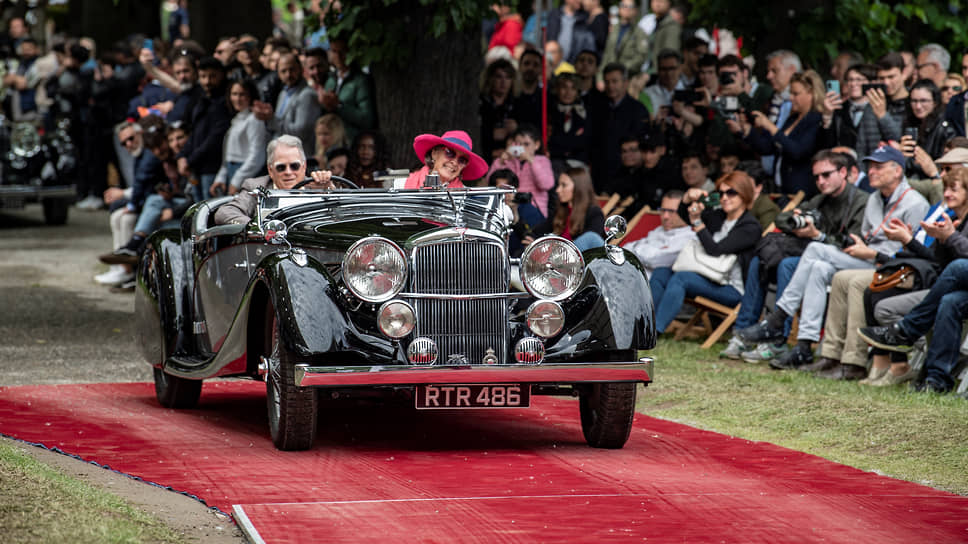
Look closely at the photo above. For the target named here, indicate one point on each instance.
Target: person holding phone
(793, 144)
(925, 129)
(889, 105)
(844, 113)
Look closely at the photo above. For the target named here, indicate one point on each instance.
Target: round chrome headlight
(552, 268)
(396, 319)
(375, 269)
(546, 318)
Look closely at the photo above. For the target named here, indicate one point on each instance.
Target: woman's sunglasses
(450, 154)
(282, 166)
(730, 192)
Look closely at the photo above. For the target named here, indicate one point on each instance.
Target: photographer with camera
(829, 217)
(807, 290)
(524, 215)
(732, 98)
(523, 157)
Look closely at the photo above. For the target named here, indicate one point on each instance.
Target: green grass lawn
(40, 504)
(913, 436)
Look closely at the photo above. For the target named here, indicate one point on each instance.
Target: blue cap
(886, 153)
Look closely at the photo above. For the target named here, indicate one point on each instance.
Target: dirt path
(59, 326)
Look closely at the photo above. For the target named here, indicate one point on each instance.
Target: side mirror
(275, 232)
(615, 228)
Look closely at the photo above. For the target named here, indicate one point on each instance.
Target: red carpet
(388, 473)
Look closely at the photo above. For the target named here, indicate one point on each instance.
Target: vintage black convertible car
(348, 291)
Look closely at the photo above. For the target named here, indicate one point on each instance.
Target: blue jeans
(204, 185)
(658, 281)
(588, 240)
(754, 294)
(944, 308)
(690, 284)
(151, 212)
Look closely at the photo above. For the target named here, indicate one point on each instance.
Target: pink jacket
(416, 179)
(536, 177)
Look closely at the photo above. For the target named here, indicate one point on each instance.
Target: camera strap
(887, 217)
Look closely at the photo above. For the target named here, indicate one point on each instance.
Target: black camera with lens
(726, 78)
(804, 219)
(521, 198)
(727, 106)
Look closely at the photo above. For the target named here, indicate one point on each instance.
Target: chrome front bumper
(548, 373)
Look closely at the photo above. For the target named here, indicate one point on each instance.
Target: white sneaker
(116, 275)
(91, 202)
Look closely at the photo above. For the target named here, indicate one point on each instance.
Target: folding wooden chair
(700, 321)
(609, 204)
(640, 225)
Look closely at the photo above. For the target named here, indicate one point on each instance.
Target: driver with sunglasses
(287, 167)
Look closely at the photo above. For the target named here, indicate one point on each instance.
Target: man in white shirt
(662, 245)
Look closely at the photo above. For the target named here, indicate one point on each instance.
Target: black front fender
(313, 322)
(612, 310)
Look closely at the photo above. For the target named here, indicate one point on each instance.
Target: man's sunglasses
(823, 175)
(450, 154)
(282, 166)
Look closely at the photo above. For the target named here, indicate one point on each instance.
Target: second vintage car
(348, 290)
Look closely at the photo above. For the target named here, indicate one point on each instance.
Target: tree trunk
(438, 91)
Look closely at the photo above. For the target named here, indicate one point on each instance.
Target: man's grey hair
(788, 58)
(138, 129)
(937, 54)
(286, 140)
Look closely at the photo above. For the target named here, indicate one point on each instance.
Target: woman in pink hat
(450, 156)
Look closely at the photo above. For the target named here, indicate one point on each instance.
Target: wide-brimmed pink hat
(459, 141)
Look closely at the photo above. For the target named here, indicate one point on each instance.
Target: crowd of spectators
(871, 157)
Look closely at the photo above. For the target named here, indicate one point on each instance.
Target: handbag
(901, 278)
(693, 258)
(905, 272)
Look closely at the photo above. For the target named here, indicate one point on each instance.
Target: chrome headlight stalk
(552, 268)
(396, 319)
(375, 269)
(615, 228)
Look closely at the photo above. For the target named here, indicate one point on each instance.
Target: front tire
(607, 410)
(292, 409)
(176, 392)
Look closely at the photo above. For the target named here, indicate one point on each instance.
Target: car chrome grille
(463, 329)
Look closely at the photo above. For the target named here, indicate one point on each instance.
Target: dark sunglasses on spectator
(955, 88)
(823, 175)
(281, 166)
(127, 140)
(730, 192)
(450, 153)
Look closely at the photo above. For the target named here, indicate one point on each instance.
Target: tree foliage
(386, 32)
(818, 29)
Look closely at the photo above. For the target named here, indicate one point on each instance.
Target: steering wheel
(340, 179)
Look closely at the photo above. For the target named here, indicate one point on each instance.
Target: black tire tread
(296, 428)
(607, 410)
(176, 392)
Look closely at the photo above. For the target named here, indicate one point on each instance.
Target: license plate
(435, 397)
